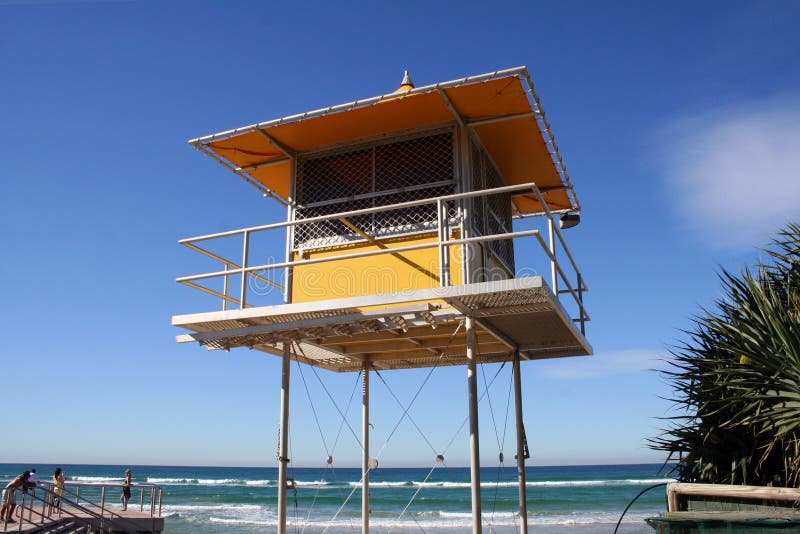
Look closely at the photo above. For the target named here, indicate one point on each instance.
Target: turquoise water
(572, 499)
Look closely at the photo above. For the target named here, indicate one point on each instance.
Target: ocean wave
(209, 482)
(265, 516)
(380, 484)
(311, 483)
(221, 482)
(256, 522)
(440, 520)
(545, 483)
(575, 483)
(266, 483)
(468, 515)
(325, 484)
(197, 508)
(95, 479)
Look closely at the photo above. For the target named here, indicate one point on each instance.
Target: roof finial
(406, 84)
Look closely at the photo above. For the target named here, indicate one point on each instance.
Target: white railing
(83, 502)
(575, 287)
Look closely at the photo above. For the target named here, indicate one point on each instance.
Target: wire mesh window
(377, 174)
(492, 213)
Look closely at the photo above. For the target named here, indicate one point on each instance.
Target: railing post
(103, 501)
(45, 500)
(225, 287)
(444, 250)
(141, 499)
(22, 510)
(580, 304)
(245, 254)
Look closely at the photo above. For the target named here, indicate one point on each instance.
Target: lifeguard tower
(401, 250)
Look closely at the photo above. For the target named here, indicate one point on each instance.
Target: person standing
(10, 496)
(58, 488)
(33, 479)
(126, 489)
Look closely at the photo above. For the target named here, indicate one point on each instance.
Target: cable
(634, 500)
(324, 444)
(411, 500)
(421, 433)
(328, 452)
(330, 397)
(491, 409)
(405, 414)
(419, 390)
(313, 408)
(480, 398)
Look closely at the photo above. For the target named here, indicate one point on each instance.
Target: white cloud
(621, 362)
(733, 174)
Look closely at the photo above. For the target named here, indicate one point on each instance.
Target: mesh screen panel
(371, 175)
(492, 213)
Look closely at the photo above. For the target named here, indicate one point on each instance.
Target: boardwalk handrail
(443, 242)
(156, 493)
(50, 512)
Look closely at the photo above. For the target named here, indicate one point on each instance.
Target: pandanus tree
(736, 378)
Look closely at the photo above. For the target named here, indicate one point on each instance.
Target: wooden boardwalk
(132, 518)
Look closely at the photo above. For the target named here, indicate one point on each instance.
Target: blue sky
(679, 123)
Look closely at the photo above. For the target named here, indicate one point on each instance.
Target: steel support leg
(283, 440)
(474, 440)
(365, 453)
(523, 496)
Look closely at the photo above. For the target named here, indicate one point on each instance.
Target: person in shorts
(126, 489)
(10, 496)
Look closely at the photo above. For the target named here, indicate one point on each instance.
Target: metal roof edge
(516, 71)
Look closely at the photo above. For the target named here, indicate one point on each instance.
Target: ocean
(240, 500)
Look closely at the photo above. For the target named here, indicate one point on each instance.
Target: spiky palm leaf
(737, 379)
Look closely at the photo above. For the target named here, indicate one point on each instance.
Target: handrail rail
(365, 211)
(66, 507)
(442, 242)
(156, 493)
(559, 234)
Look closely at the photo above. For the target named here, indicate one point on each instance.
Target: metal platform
(421, 328)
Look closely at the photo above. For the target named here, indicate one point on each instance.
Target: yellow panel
(275, 177)
(394, 114)
(372, 275)
(521, 156)
(246, 149)
(495, 98)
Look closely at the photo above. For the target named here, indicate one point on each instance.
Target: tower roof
(501, 108)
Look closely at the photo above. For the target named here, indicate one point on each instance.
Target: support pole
(474, 440)
(283, 439)
(553, 268)
(523, 496)
(365, 455)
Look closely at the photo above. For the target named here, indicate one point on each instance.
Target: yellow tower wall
(372, 275)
